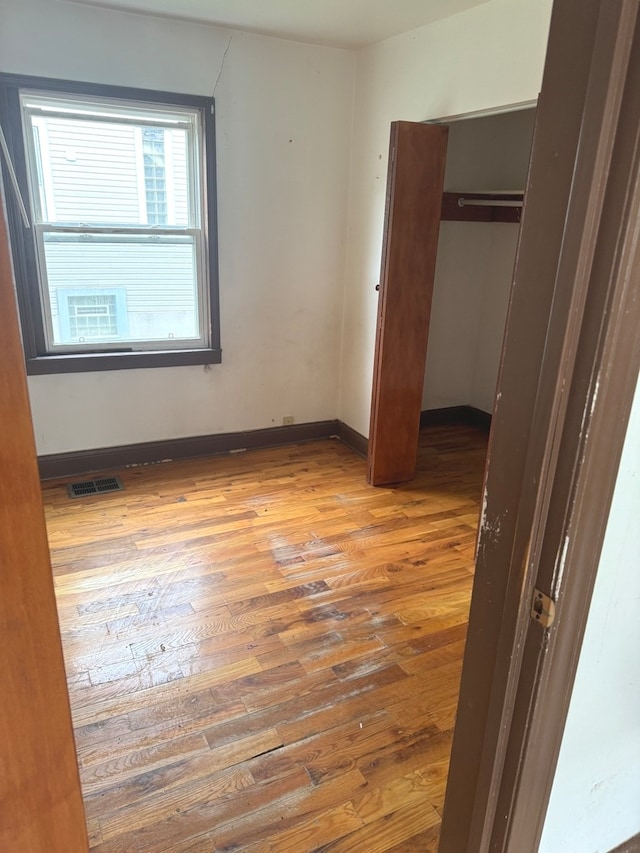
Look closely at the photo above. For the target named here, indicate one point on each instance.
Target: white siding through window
(93, 172)
(177, 190)
(157, 277)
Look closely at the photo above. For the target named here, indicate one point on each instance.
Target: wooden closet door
(417, 155)
(42, 809)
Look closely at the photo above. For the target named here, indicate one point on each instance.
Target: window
(92, 315)
(155, 176)
(118, 267)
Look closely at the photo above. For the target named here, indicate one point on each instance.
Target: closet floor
(263, 652)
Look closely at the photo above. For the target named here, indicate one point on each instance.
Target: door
(415, 178)
(42, 809)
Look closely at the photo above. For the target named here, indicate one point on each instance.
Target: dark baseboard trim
(456, 415)
(442, 417)
(74, 463)
(431, 417)
(478, 418)
(357, 442)
(631, 845)
(71, 464)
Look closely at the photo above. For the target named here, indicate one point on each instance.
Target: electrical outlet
(287, 420)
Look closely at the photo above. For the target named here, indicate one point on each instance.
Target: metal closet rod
(488, 202)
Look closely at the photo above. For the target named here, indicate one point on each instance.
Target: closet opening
(486, 167)
(455, 198)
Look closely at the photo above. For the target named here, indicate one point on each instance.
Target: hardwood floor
(263, 652)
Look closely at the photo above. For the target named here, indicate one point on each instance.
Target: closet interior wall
(475, 263)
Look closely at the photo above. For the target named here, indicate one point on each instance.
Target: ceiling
(341, 23)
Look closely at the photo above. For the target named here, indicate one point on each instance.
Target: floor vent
(95, 487)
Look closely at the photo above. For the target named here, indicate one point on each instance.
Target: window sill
(96, 362)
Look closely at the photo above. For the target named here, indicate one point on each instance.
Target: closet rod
(487, 202)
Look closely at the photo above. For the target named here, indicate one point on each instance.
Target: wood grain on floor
(263, 652)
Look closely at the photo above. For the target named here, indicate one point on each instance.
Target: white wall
(470, 298)
(282, 203)
(490, 56)
(595, 799)
(284, 114)
(475, 263)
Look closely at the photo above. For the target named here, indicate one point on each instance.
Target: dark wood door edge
(540, 391)
(58, 465)
(631, 845)
(606, 361)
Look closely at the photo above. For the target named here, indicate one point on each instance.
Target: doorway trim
(498, 110)
(568, 375)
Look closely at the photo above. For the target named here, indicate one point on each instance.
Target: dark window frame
(23, 248)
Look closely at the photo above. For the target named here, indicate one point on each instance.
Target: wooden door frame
(568, 376)
(42, 809)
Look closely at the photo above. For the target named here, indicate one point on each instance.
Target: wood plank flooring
(263, 652)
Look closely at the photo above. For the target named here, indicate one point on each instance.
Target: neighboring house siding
(94, 175)
(159, 281)
(175, 141)
(97, 173)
